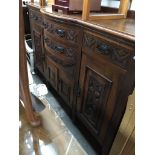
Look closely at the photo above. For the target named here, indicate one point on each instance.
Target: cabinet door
(52, 73)
(65, 86)
(38, 51)
(99, 87)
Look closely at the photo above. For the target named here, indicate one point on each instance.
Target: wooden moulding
(122, 11)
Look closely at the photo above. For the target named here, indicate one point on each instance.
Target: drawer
(60, 53)
(63, 32)
(110, 50)
(35, 17)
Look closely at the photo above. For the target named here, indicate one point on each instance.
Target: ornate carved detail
(70, 52)
(93, 99)
(118, 56)
(121, 57)
(89, 41)
(72, 35)
(97, 92)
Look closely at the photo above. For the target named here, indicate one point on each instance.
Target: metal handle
(103, 48)
(59, 49)
(60, 32)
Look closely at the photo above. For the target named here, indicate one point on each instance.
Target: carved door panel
(98, 87)
(65, 86)
(51, 73)
(38, 53)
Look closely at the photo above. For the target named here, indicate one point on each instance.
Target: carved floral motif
(94, 99)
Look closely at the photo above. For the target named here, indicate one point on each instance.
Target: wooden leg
(23, 75)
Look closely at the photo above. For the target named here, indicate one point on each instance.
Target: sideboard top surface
(122, 27)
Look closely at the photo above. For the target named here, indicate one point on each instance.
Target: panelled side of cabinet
(37, 39)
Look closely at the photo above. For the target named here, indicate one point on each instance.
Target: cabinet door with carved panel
(99, 88)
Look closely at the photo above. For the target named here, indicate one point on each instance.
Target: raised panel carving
(96, 92)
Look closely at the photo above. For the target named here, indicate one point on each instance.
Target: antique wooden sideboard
(90, 64)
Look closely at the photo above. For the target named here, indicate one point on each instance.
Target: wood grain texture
(122, 13)
(86, 9)
(124, 6)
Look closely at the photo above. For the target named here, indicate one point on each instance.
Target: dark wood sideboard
(89, 65)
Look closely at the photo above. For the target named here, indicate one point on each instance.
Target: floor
(57, 135)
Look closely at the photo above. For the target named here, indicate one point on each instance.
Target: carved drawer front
(96, 89)
(51, 73)
(63, 32)
(62, 55)
(35, 17)
(110, 50)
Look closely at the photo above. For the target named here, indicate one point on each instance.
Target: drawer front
(63, 32)
(35, 17)
(65, 57)
(110, 50)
